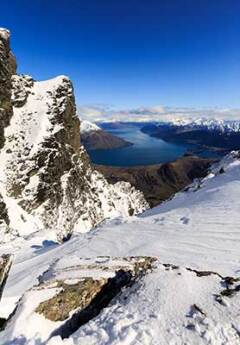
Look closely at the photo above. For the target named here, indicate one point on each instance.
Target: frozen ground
(198, 230)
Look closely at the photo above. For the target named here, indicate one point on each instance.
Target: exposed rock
(70, 298)
(7, 69)
(4, 219)
(5, 265)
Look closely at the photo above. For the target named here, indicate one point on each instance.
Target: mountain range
(213, 133)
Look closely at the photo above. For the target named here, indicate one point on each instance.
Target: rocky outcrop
(4, 219)
(5, 265)
(7, 69)
(75, 290)
(47, 181)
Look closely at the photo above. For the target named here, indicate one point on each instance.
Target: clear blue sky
(132, 52)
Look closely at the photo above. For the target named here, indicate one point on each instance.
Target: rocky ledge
(75, 290)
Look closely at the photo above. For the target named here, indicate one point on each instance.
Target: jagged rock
(4, 219)
(7, 69)
(46, 173)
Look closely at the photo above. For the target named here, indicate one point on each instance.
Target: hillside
(161, 181)
(95, 138)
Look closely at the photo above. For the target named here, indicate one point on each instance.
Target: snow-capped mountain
(87, 126)
(211, 124)
(205, 132)
(46, 179)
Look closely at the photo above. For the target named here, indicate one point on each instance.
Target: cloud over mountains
(103, 113)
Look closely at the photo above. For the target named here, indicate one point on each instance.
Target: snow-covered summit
(4, 34)
(87, 126)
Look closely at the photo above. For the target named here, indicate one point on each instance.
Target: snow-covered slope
(192, 295)
(47, 182)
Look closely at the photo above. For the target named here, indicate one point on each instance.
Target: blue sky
(131, 53)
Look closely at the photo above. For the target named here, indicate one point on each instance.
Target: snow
(38, 119)
(198, 229)
(4, 34)
(221, 125)
(28, 128)
(87, 126)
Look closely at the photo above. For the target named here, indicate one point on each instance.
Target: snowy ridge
(211, 124)
(87, 126)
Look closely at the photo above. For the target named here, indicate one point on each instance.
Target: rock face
(5, 264)
(47, 180)
(7, 69)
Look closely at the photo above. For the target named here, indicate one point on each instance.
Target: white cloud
(104, 113)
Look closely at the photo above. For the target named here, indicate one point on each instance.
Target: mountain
(213, 133)
(47, 182)
(170, 275)
(221, 125)
(95, 138)
(161, 181)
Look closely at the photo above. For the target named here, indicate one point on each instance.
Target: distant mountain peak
(87, 126)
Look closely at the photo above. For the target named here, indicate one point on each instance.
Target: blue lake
(145, 150)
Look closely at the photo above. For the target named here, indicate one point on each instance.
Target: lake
(145, 150)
